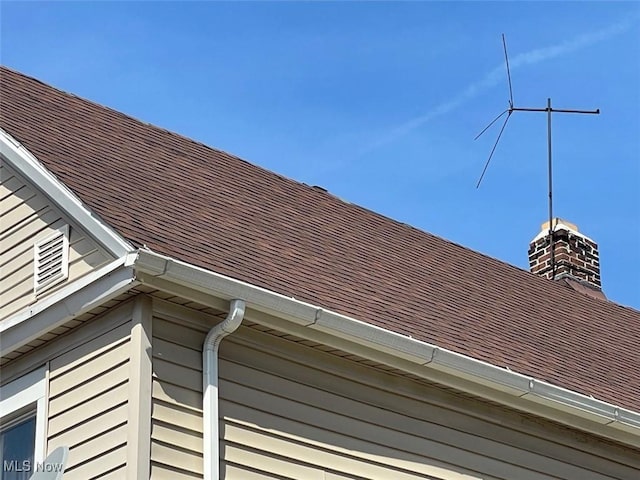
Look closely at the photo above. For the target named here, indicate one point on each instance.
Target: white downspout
(210, 434)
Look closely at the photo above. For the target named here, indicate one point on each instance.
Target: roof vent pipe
(210, 431)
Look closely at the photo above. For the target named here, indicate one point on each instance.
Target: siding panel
(171, 413)
(161, 471)
(106, 462)
(234, 471)
(320, 460)
(88, 430)
(177, 401)
(168, 433)
(89, 370)
(266, 462)
(183, 376)
(171, 456)
(26, 216)
(117, 474)
(352, 452)
(88, 411)
(290, 412)
(62, 415)
(301, 403)
(179, 397)
(341, 441)
(358, 426)
(107, 440)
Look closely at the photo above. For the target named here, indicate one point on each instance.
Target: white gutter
(429, 361)
(210, 435)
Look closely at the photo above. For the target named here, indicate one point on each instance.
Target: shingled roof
(209, 208)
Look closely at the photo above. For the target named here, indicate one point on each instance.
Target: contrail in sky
(497, 75)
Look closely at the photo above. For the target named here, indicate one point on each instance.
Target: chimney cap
(559, 224)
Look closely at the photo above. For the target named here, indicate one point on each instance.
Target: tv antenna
(549, 110)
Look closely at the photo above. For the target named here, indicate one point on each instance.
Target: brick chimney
(575, 256)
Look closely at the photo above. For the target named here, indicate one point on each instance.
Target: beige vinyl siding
(27, 216)
(291, 412)
(88, 402)
(89, 397)
(176, 419)
(296, 421)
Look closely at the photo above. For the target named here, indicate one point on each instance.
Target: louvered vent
(51, 259)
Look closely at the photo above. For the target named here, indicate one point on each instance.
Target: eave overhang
(413, 356)
(302, 319)
(77, 298)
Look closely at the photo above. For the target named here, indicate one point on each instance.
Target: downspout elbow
(210, 435)
(228, 326)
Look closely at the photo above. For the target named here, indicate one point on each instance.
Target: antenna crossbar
(553, 110)
(549, 110)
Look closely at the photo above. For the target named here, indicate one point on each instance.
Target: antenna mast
(549, 111)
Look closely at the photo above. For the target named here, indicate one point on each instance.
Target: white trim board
(79, 297)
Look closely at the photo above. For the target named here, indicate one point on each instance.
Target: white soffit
(77, 298)
(26, 164)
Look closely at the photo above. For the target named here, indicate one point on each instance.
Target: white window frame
(28, 394)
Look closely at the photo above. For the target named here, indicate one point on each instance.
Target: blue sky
(379, 103)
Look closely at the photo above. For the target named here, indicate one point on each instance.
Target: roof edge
(27, 165)
(459, 371)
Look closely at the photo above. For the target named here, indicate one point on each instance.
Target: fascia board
(26, 164)
(525, 391)
(79, 297)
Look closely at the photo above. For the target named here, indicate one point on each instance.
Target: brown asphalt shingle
(216, 211)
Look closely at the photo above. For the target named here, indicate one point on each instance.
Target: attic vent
(51, 259)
